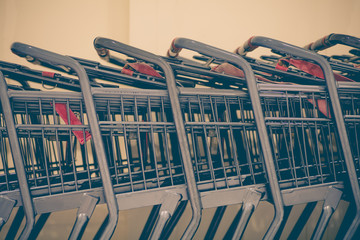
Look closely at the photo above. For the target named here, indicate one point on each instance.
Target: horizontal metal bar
(136, 123)
(307, 194)
(298, 119)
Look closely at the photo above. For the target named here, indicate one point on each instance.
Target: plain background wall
(69, 27)
(229, 23)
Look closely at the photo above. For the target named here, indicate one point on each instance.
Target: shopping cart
(24, 75)
(298, 161)
(46, 149)
(334, 100)
(349, 95)
(346, 76)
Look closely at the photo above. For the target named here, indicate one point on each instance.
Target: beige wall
(67, 26)
(228, 23)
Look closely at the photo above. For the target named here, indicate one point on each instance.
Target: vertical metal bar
(232, 139)
(245, 142)
(18, 160)
(247, 210)
(206, 144)
(126, 144)
(168, 207)
(39, 225)
(317, 156)
(330, 204)
(283, 224)
(218, 137)
(4, 160)
(305, 151)
(232, 228)
(140, 150)
(165, 143)
(174, 220)
(215, 222)
(83, 215)
(346, 221)
(150, 223)
(302, 220)
(249, 204)
(85, 147)
(194, 144)
(60, 163)
(15, 225)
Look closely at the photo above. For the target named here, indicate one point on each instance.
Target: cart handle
(27, 51)
(276, 45)
(333, 39)
(180, 43)
(102, 46)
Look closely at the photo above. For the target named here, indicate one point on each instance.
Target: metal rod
(215, 222)
(18, 160)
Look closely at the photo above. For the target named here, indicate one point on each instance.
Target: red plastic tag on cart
(143, 68)
(282, 64)
(309, 68)
(316, 71)
(48, 74)
(61, 109)
(234, 71)
(228, 69)
(323, 106)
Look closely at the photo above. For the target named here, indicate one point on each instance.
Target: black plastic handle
(103, 45)
(34, 53)
(333, 39)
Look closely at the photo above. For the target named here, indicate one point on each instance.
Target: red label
(61, 109)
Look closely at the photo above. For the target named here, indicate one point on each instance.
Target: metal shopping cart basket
(347, 78)
(307, 127)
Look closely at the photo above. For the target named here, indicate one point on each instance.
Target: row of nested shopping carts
(219, 129)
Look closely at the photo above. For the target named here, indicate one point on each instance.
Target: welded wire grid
(350, 102)
(223, 140)
(304, 138)
(7, 170)
(138, 132)
(140, 140)
(55, 161)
